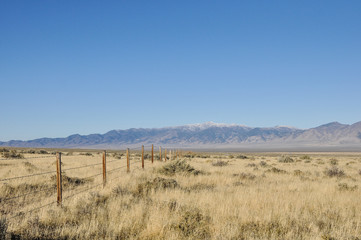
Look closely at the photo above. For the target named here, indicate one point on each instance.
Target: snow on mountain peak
(205, 125)
(285, 126)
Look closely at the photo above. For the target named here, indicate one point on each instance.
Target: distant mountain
(209, 135)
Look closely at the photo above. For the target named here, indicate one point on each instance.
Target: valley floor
(200, 196)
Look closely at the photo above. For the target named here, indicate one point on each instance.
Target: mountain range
(214, 136)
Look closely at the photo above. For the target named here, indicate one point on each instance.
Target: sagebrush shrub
(179, 166)
(193, 224)
(12, 154)
(333, 161)
(42, 152)
(346, 187)
(245, 176)
(219, 163)
(286, 159)
(156, 184)
(276, 170)
(334, 172)
(86, 154)
(3, 228)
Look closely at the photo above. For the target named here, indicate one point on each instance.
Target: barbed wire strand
(43, 190)
(90, 165)
(115, 160)
(26, 176)
(67, 197)
(27, 194)
(116, 169)
(115, 178)
(84, 190)
(23, 213)
(92, 176)
(111, 179)
(32, 210)
(20, 159)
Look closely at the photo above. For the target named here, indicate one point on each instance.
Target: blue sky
(92, 66)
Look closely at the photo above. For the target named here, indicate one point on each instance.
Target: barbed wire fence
(57, 186)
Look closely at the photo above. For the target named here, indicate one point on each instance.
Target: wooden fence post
(104, 168)
(165, 155)
(160, 153)
(128, 163)
(170, 155)
(152, 153)
(143, 156)
(59, 185)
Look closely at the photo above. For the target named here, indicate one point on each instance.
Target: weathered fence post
(59, 185)
(160, 153)
(165, 155)
(152, 153)
(143, 156)
(128, 163)
(170, 155)
(104, 168)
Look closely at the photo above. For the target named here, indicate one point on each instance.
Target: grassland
(202, 196)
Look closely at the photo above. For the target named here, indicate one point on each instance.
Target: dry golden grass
(219, 196)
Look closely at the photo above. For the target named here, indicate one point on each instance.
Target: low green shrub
(178, 166)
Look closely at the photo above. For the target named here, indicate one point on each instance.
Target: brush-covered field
(199, 196)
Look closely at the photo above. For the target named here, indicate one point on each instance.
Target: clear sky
(86, 66)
